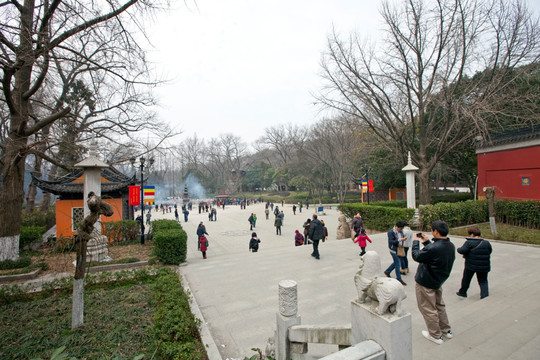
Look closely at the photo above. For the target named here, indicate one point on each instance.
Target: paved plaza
(237, 291)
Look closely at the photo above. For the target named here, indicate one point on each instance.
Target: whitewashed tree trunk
(9, 248)
(77, 310)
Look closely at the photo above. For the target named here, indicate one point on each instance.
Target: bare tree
(415, 92)
(37, 36)
(332, 146)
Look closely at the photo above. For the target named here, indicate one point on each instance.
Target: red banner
(134, 195)
(370, 185)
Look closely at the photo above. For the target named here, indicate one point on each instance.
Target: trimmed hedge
(392, 203)
(124, 230)
(520, 213)
(377, 217)
(175, 328)
(170, 242)
(454, 214)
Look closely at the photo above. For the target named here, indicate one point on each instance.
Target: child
(254, 243)
(361, 240)
(298, 238)
(203, 242)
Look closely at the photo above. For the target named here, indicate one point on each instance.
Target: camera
(419, 235)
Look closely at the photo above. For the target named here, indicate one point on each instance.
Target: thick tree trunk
(11, 198)
(424, 190)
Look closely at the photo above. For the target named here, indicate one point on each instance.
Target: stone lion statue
(388, 292)
(343, 229)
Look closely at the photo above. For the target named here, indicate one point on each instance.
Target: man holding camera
(435, 260)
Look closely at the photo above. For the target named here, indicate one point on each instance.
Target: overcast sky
(240, 66)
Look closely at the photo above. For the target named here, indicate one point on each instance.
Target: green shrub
(175, 328)
(518, 213)
(40, 218)
(449, 197)
(121, 231)
(392, 203)
(454, 214)
(170, 242)
(377, 217)
(30, 234)
(18, 264)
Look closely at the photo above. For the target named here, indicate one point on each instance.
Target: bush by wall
(392, 203)
(377, 217)
(449, 197)
(124, 230)
(170, 242)
(29, 234)
(519, 213)
(454, 214)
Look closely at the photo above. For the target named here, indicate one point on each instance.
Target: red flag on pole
(134, 195)
(370, 185)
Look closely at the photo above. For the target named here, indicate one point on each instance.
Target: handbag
(206, 243)
(401, 251)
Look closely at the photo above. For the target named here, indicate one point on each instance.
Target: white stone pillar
(287, 317)
(410, 169)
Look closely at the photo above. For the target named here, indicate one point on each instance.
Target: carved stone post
(410, 171)
(287, 317)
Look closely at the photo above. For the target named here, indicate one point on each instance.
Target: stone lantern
(410, 171)
(97, 246)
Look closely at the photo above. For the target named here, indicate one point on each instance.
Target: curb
(206, 337)
(28, 276)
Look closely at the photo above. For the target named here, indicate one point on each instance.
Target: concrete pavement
(237, 291)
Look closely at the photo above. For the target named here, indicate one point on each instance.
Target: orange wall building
(70, 205)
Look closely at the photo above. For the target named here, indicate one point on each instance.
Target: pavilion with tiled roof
(70, 205)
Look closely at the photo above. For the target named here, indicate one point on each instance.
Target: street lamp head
(132, 161)
(151, 161)
(142, 160)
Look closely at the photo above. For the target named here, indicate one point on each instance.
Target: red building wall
(515, 173)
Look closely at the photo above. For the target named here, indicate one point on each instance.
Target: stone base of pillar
(283, 351)
(392, 332)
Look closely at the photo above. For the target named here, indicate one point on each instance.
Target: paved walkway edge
(207, 339)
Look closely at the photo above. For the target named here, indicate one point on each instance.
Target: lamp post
(141, 167)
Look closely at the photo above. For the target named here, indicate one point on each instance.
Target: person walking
(298, 238)
(186, 213)
(254, 220)
(361, 240)
(278, 223)
(201, 231)
(435, 260)
(307, 225)
(395, 238)
(477, 253)
(203, 245)
(294, 209)
(250, 219)
(357, 224)
(316, 233)
(176, 214)
(254, 243)
(148, 217)
(404, 261)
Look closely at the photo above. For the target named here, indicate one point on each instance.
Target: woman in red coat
(203, 242)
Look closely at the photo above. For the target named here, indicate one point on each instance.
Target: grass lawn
(505, 232)
(118, 320)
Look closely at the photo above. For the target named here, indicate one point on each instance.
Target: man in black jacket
(436, 259)
(316, 233)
